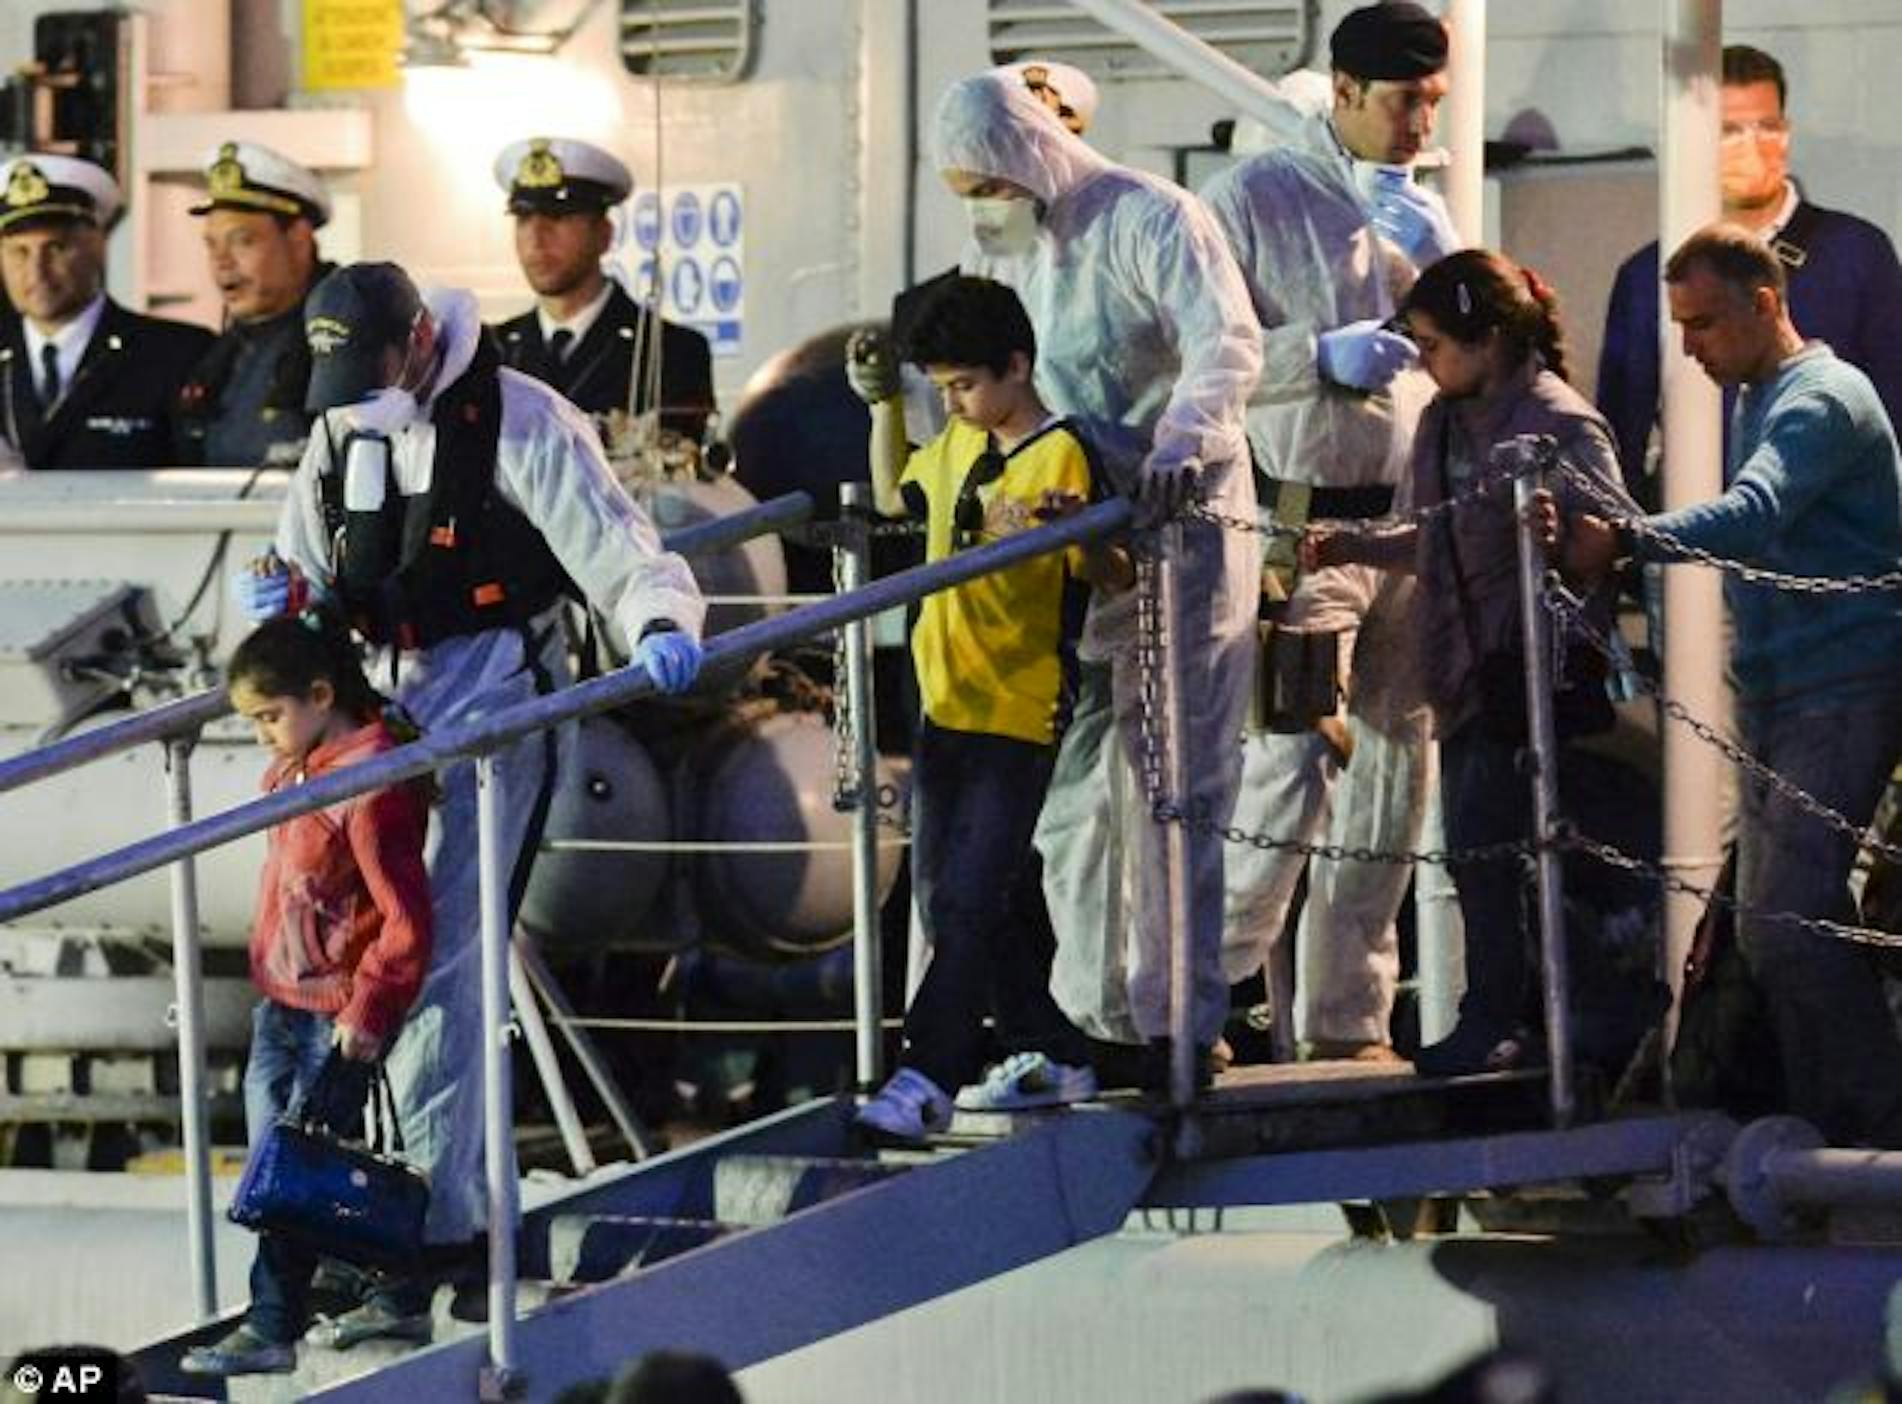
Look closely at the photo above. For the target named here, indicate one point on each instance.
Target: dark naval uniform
(597, 373)
(118, 409)
(243, 403)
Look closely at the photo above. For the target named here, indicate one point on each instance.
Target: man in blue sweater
(1815, 490)
(1845, 281)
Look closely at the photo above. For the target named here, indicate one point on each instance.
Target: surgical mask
(1003, 227)
(386, 412)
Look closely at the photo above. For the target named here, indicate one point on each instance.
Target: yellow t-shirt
(991, 653)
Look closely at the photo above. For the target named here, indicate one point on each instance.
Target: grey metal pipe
(726, 652)
(1692, 424)
(498, 1091)
(1175, 837)
(190, 714)
(1535, 627)
(1836, 1177)
(1463, 124)
(154, 517)
(188, 984)
(1195, 59)
(855, 570)
(541, 1048)
(183, 717)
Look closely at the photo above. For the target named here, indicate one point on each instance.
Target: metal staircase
(747, 1245)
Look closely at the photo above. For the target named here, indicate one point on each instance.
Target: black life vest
(455, 559)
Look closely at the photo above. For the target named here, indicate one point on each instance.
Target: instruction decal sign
(351, 44)
(687, 242)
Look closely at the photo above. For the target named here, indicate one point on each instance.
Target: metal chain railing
(1755, 575)
(1563, 604)
(850, 789)
(1532, 458)
(1532, 453)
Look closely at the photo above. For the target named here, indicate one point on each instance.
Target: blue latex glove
(671, 658)
(261, 597)
(1166, 487)
(1363, 355)
(1415, 220)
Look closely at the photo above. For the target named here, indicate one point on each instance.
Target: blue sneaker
(1026, 1080)
(908, 1108)
(243, 1352)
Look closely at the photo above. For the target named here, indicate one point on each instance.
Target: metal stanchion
(498, 1092)
(574, 1138)
(855, 570)
(1175, 837)
(190, 1006)
(1536, 633)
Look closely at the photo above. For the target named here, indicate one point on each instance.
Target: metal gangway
(674, 1249)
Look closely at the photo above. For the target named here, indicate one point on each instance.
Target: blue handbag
(361, 1203)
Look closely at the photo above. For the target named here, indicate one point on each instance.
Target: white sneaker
(1026, 1080)
(909, 1107)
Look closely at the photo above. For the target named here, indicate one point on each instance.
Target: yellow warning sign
(351, 44)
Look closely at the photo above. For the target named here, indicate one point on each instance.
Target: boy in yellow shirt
(995, 662)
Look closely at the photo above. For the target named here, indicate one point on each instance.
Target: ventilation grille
(1269, 38)
(703, 40)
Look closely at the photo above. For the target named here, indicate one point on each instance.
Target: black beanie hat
(1395, 39)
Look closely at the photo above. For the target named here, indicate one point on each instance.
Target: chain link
(1522, 457)
(1620, 511)
(848, 786)
(1563, 604)
(1575, 842)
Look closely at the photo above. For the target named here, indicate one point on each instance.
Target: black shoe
(1155, 1069)
(1470, 1049)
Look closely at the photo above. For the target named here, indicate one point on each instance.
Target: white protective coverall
(1142, 319)
(549, 466)
(1298, 218)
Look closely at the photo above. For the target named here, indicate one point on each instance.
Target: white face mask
(1003, 228)
(386, 412)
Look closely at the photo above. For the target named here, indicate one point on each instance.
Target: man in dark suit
(1844, 279)
(84, 383)
(243, 404)
(584, 333)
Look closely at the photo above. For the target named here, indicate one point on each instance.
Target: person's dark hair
(285, 656)
(1734, 255)
(1475, 292)
(966, 321)
(676, 1377)
(1744, 65)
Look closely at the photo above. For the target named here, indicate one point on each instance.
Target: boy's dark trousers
(975, 801)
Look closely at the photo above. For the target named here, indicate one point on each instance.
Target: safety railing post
(189, 994)
(1175, 836)
(498, 1092)
(855, 571)
(1536, 633)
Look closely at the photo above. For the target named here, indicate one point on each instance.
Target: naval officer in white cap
(582, 334)
(243, 404)
(84, 383)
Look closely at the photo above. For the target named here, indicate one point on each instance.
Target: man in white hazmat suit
(1141, 320)
(1329, 230)
(441, 504)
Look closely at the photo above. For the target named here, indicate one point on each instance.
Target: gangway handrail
(480, 739)
(486, 734)
(188, 714)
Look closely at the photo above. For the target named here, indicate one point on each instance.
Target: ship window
(703, 40)
(1271, 39)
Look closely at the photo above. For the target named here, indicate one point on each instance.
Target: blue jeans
(1842, 1060)
(976, 798)
(288, 1049)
